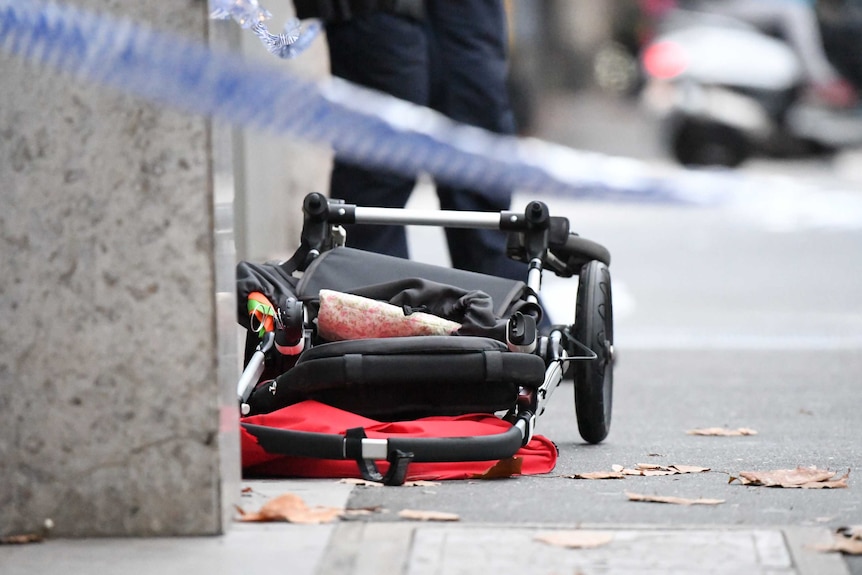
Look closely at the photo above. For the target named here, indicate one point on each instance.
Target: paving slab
(424, 549)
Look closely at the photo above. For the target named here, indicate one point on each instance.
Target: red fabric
(538, 456)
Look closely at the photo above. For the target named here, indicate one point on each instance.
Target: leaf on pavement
(361, 482)
(597, 475)
(801, 478)
(672, 500)
(653, 470)
(690, 468)
(418, 515)
(847, 540)
(291, 508)
(422, 483)
(22, 539)
(841, 545)
(575, 539)
(502, 469)
(367, 483)
(722, 431)
(362, 511)
(649, 470)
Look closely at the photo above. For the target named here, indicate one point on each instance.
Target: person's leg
(387, 53)
(478, 250)
(368, 188)
(469, 69)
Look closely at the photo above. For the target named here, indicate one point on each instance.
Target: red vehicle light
(665, 60)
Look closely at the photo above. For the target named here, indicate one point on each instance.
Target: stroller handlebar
(319, 208)
(424, 449)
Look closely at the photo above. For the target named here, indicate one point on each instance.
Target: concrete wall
(115, 389)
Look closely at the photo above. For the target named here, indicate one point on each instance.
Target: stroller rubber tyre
(578, 251)
(593, 380)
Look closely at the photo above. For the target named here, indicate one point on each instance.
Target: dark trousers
(453, 61)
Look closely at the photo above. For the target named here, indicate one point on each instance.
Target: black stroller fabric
(270, 279)
(276, 284)
(405, 377)
(349, 270)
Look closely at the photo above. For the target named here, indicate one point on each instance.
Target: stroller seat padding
(406, 377)
(347, 269)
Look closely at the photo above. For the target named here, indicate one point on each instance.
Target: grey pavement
(417, 548)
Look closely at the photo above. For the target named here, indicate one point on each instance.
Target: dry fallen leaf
(801, 477)
(641, 469)
(842, 545)
(22, 539)
(418, 515)
(361, 482)
(649, 470)
(291, 508)
(597, 475)
(502, 469)
(653, 470)
(722, 431)
(847, 540)
(368, 483)
(690, 468)
(673, 500)
(575, 539)
(362, 511)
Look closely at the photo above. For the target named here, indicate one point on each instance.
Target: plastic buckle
(353, 450)
(521, 333)
(398, 460)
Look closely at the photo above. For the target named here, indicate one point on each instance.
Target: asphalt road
(738, 316)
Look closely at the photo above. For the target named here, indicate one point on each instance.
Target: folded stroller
(396, 340)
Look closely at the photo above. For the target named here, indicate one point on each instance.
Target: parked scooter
(726, 90)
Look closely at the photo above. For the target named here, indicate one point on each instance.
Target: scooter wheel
(593, 379)
(709, 144)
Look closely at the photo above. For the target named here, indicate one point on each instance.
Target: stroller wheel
(594, 328)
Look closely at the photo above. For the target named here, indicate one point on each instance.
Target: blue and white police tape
(360, 125)
(292, 42)
(246, 13)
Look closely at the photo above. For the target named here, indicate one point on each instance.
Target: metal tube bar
(374, 449)
(445, 218)
(534, 279)
(553, 378)
(250, 375)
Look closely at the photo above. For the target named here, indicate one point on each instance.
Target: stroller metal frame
(535, 237)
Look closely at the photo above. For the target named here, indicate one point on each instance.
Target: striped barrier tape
(292, 42)
(360, 125)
